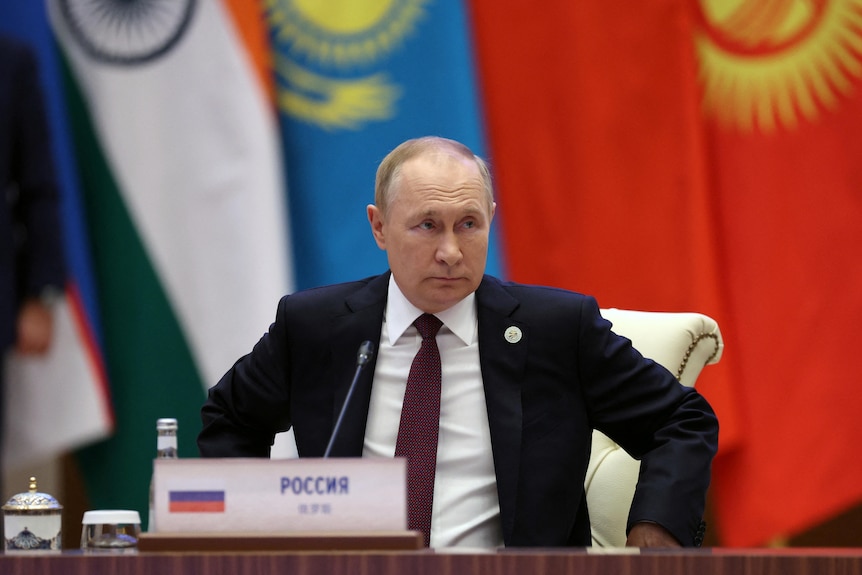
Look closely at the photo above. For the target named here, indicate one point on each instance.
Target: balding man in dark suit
(527, 373)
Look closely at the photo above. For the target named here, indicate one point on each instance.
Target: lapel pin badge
(513, 334)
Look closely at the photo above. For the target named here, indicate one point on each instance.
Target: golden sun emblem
(330, 53)
(766, 64)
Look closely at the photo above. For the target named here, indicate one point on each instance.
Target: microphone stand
(366, 350)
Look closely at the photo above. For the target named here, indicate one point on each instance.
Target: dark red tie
(420, 424)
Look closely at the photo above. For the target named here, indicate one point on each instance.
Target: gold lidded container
(33, 521)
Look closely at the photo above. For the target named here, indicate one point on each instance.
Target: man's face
(436, 228)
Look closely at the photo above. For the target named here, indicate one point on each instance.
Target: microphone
(363, 356)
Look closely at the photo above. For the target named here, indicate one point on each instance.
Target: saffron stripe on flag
(196, 502)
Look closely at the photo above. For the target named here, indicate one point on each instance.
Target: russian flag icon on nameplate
(196, 502)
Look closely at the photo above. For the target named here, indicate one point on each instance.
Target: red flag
(783, 106)
(619, 174)
(597, 152)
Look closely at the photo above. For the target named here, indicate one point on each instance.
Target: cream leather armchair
(684, 343)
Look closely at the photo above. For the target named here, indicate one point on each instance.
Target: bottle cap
(166, 423)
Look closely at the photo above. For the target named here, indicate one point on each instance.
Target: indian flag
(178, 152)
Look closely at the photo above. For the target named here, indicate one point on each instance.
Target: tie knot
(428, 325)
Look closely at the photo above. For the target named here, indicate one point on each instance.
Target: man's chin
(444, 298)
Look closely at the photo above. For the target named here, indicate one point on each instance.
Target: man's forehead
(439, 180)
(444, 171)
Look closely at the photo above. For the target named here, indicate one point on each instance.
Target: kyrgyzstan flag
(687, 155)
(783, 107)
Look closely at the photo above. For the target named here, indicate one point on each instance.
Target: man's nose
(449, 250)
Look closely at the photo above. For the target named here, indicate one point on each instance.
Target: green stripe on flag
(149, 363)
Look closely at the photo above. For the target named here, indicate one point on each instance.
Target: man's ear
(375, 218)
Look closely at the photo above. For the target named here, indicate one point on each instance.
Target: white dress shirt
(466, 509)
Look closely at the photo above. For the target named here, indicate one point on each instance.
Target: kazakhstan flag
(355, 78)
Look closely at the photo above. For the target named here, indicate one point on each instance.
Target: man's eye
(426, 225)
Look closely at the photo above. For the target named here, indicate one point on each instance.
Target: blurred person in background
(32, 271)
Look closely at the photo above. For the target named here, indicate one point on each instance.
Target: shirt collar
(400, 314)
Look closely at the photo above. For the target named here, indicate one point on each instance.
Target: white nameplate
(271, 495)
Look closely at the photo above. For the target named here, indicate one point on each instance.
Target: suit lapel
(363, 321)
(502, 361)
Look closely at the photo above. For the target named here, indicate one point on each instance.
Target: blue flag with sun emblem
(356, 78)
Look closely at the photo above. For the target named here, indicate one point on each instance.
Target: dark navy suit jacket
(566, 376)
(31, 257)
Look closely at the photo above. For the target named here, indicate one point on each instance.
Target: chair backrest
(684, 343)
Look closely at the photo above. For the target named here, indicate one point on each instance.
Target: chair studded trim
(692, 347)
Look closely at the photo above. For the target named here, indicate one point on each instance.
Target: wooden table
(821, 561)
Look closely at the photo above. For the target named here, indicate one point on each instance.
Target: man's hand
(35, 328)
(650, 535)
